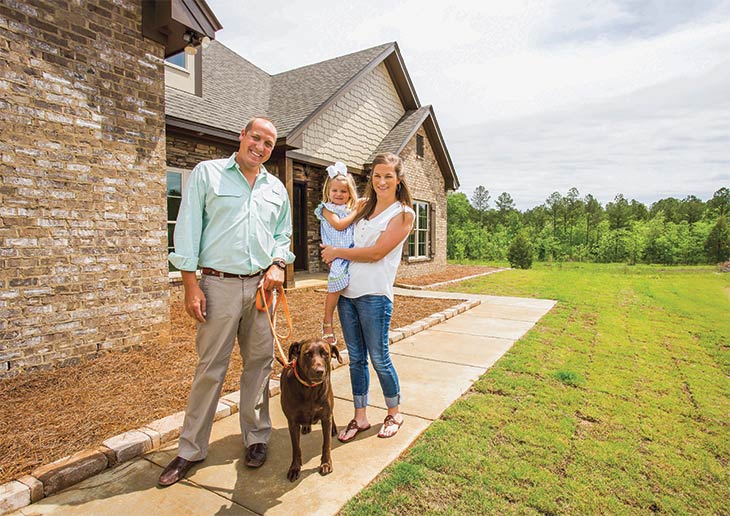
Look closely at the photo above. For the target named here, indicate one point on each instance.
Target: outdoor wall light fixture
(193, 39)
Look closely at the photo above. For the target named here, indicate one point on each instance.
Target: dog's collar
(296, 373)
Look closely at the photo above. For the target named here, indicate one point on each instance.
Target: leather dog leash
(262, 303)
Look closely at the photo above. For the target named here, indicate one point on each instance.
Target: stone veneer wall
(314, 177)
(185, 152)
(426, 183)
(357, 122)
(83, 263)
(311, 176)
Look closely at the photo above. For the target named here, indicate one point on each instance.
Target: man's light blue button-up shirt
(226, 225)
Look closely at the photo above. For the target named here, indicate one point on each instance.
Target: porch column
(286, 175)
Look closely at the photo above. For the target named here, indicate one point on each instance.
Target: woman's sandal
(327, 336)
(352, 425)
(388, 422)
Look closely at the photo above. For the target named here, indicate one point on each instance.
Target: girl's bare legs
(330, 302)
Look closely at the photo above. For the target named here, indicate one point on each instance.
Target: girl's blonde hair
(351, 187)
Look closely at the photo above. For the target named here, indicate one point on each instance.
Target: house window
(175, 181)
(177, 60)
(418, 242)
(419, 145)
(183, 72)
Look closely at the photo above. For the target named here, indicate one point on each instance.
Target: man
(235, 225)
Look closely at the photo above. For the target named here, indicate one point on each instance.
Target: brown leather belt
(212, 272)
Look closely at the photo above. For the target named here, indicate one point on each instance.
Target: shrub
(519, 253)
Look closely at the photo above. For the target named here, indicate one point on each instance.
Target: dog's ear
(334, 351)
(294, 350)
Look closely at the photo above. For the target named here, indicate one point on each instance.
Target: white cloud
(658, 142)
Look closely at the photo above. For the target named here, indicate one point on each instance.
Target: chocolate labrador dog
(306, 398)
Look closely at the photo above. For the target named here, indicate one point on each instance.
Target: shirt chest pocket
(228, 198)
(228, 188)
(270, 207)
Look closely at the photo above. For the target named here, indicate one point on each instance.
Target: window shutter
(432, 230)
(407, 245)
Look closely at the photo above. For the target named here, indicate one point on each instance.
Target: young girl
(336, 213)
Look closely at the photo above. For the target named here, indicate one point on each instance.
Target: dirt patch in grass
(48, 415)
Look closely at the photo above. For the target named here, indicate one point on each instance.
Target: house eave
(166, 21)
(198, 130)
(442, 153)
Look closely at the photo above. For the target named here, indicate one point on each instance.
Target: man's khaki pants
(231, 312)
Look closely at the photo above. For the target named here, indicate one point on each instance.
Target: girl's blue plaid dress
(339, 276)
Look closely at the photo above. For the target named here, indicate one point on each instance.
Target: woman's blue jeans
(365, 323)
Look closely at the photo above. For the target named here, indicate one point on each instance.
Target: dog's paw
(306, 429)
(293, 473)
(325, 468)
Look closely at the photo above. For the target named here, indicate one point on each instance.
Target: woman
(366, 305)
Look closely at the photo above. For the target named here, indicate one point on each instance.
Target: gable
(352, 127)
(424, 174)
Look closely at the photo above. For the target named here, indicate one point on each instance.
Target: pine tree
(520, 252)
(480, 201)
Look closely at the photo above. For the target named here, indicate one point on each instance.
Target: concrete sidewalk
(435, 366)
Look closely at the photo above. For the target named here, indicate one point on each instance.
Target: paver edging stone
(14, 495)
(51, 478)
(129, 445)
(35, 485)
(442, 283)
(70, 470)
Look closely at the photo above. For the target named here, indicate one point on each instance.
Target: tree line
(574, 227)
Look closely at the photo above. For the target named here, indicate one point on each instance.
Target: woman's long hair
(402, 194)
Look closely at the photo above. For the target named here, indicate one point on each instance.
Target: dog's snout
(319, 369)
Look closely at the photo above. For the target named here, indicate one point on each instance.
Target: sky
(534, 97)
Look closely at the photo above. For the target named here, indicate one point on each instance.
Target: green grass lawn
(616, 402)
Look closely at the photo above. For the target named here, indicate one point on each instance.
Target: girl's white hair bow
(337, 169)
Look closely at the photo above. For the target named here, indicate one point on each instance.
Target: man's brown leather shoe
(256, 455)
(175, 471)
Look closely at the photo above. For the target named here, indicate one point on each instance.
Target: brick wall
(357, 122)
(82, 182)
(426, 183)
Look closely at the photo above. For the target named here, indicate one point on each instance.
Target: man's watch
(280, 263)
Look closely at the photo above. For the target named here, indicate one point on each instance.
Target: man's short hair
(250, 122)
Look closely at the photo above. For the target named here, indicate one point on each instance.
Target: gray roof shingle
(298, 93)
(397, 138)
(234, 90)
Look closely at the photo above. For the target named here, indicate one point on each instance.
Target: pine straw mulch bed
(48, 415)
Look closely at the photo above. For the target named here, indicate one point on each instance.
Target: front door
(299, 222)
